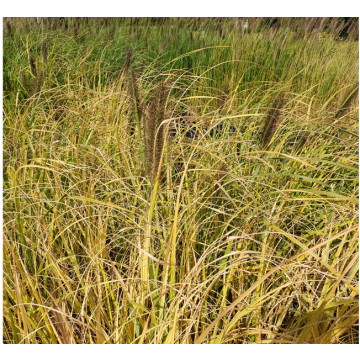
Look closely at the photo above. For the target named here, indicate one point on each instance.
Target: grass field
(180, 180)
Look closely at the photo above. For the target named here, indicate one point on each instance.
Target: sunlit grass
(244, 235)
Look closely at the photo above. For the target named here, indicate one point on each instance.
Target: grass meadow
(180, 181)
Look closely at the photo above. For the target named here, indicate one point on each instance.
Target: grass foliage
(180, 181)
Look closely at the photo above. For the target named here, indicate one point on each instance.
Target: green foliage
(249, 230)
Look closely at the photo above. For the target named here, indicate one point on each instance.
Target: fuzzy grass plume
(272, 120)
(154, 131)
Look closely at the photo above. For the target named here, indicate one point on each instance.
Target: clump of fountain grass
(256, 241)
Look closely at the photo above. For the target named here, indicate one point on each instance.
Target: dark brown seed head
(220, 32)
(128, 59)
(37, 83)
(154, 131)
(8, 28)
(32, 65)
(272, 120)
(59, 110)
(225, 93)
(23, 80)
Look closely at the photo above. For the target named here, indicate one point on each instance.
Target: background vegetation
(180, 180)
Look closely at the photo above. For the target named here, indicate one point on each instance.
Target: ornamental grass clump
(242, 228)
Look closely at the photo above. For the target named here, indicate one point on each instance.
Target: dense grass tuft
(188, 180)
